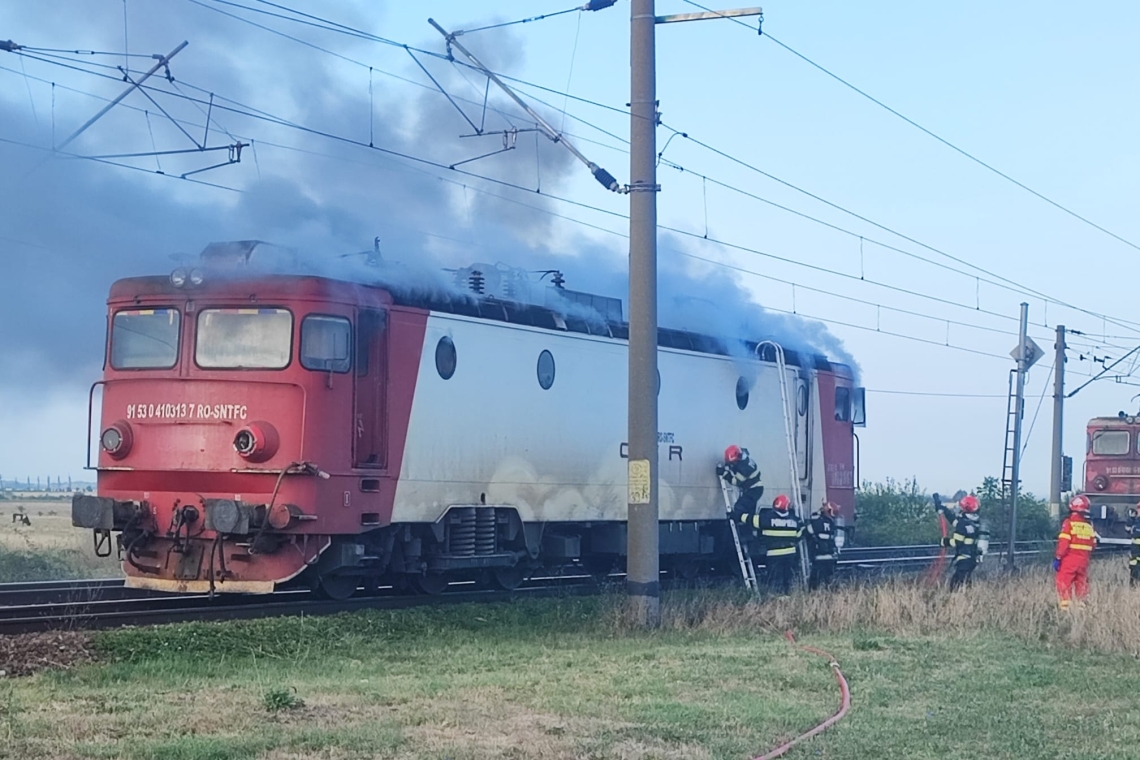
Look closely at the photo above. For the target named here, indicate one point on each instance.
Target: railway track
(107, 603)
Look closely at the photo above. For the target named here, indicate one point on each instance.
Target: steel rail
(107, 603)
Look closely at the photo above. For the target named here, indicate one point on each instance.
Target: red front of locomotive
(1112, 468)
(227, 458)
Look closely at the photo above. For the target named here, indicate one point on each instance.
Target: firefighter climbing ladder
(747, 570)
(789, 434)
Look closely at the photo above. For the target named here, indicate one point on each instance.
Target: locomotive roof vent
(609, 308)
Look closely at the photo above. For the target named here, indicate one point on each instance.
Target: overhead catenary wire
(249, 111)
(256, 113)
(934, 135)
(939, 319)
(346, 29)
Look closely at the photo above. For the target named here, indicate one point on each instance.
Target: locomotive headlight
(196, 277)
(116, 440)
(257, 442)
(178, 277)
(244, 442)
(1100, 483)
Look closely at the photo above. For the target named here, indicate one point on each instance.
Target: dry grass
(50, 548)
(1024, 606)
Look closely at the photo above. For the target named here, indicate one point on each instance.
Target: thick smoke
(72, 227)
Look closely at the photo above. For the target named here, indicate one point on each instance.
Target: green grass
(17, 566)
(563, 679)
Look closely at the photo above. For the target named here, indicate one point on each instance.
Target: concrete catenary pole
(1058, 424)
(1022, 360)
(643, 561)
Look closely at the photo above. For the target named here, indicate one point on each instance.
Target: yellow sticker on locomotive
(639, 481)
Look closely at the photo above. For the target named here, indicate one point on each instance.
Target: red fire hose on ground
(844, 703)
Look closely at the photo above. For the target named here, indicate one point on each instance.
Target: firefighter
(739, 470)
(967, 537)
(822, 532)
(1075, 545)
(780, 532)
(1134, 554)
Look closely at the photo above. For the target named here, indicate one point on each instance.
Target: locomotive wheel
(509, 578)
(432, 584)
(338, 587)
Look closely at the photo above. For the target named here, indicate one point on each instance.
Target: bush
(23, 566)
(276, 700)
(1033, 519)
(894, 513)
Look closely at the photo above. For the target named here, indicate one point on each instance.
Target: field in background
(568, 678)
(50, 548)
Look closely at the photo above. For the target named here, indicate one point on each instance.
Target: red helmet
(969, 503)
(781, 503)
(1080, 503)
(733, 453)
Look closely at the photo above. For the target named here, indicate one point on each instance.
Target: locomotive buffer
(747, 570)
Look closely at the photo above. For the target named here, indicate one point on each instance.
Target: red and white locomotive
(261, 429)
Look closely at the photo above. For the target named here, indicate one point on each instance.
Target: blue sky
(1041, 92)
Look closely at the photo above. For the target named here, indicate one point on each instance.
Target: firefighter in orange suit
(1075, 546)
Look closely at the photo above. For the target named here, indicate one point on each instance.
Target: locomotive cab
(208, 455)
(1112, 471)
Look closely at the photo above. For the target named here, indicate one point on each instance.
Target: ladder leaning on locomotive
(266, 430)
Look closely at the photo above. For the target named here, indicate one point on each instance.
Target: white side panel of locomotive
(556, 454)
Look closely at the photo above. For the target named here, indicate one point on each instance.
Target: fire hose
(844, 703)
(934, 573)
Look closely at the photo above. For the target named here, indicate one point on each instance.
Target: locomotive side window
(1110, 442)
(741, 393)
(546, 370)
(145, 338)
(326, 343)
(445, 358)
(244, 338)
(842, 404)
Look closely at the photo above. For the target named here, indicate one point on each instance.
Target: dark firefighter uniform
(821, 530)
(780, 532)
(965, 532)
(1134, 554)
(739, 470)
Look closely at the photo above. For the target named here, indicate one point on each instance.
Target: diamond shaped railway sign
(1033, 352)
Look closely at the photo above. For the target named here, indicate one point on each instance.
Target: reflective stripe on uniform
(774, 533)
(781, 552)
(1064, 535)
(1080, 548)
(825, 556)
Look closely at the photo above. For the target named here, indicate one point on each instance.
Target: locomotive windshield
(1110, 442)
(244, 338)
(145, 338)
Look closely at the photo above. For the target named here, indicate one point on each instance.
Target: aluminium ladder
(747, 570)
(797, 502)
